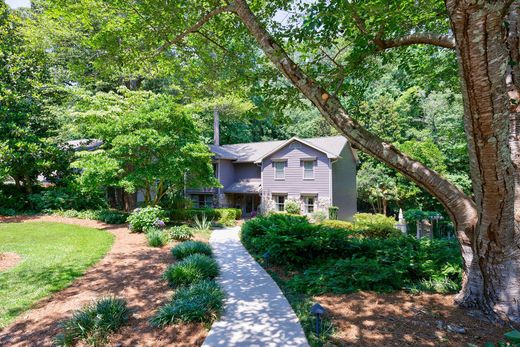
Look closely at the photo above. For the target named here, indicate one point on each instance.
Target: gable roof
(256, 151)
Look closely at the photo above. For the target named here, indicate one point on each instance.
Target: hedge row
(188, 215)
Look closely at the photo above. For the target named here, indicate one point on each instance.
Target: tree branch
(194, 27)
(459, 206)
(417, 39)
(445, 41)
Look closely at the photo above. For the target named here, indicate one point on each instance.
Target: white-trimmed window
(279, 202)
(279, 170)
(308, 204)
(308, 169)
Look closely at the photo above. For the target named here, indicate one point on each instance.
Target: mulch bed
(9, 260)
(403, 319)
(131, 270)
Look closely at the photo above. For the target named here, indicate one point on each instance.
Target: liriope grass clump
(199, 302)
(188, 248)
(156, 237)
(192, 269)
(94, 323)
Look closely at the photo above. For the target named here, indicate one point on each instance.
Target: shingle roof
(254, 151)
(253, 185)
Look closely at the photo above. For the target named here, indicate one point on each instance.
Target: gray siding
(294, 184)
(344, 192)
(246, 171)
(226, 173)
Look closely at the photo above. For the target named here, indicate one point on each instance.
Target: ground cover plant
(53, 255)
(327, 259)
(180, 233)
(156, 237)
(188, 248)
(199, 302)
(192, 269)
(94, 323)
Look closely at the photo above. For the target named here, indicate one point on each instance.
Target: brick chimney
(216, 127)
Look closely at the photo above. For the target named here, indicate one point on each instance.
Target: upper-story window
(308, 169)
(279, 170)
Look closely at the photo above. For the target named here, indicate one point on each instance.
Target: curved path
(256, 311)
(131, 270)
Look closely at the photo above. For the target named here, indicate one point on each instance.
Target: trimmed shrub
(66, 198)
(156, 237)
(227, 217)
(180, 233)
(292, 206)
(94, 323)
(188, 248)
(194, 268)
(200, 302)
(338, 224)
(188, 215)
(375, 225)
(146, 217)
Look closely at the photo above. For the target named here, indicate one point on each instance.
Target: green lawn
(53, 255)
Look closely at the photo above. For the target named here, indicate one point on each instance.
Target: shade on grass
(53, 255)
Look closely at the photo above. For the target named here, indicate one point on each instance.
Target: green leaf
(513, 336)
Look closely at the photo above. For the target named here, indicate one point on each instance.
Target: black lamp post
(318, 311)
(266, 256)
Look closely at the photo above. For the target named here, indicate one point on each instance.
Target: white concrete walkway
(256, 312)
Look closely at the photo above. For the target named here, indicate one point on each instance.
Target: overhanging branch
(196, 26)
(417, 39)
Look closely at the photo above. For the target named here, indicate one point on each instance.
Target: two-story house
(317, 172)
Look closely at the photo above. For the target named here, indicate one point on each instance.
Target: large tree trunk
(489, 244)
(483, 57)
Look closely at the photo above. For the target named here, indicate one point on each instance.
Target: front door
(249, 204)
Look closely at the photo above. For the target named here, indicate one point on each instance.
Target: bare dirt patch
(131, 270)
(9, 260)
(402, 319)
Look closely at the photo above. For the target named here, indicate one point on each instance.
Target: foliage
(292, 239)
(143, 218)
(137, 129)
(194, 268)
(375, 225)
(200, 302)
(156, 237)
(7, 212)
(318, 216)
(333, 212)
(180, 233)
(63, 253)
(338, 224)
(188, 248)
(219, 214)
(66, 198)
(28, 146)
(414, 215)
(94, 323)
(330, 259)
(202, 223)
(292, 206)
(106, 216)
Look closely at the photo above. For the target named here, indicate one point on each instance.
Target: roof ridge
(301, 138)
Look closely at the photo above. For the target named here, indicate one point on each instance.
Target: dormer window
(279, 170)
(308, 169)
